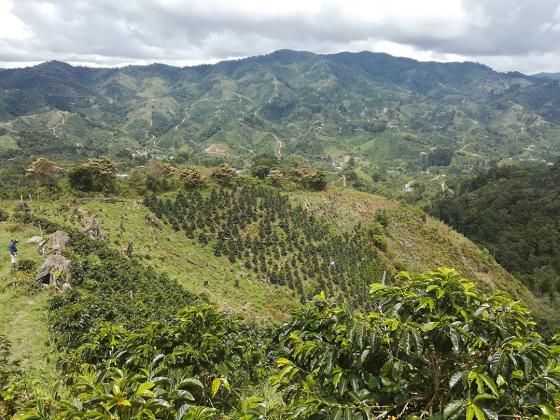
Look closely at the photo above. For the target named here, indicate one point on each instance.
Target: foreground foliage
(433, 346)
(134, 345)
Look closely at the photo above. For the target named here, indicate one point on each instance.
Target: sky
(507, 35)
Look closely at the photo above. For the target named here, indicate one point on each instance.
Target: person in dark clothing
(13, 250)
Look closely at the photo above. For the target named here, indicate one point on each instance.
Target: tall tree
(97, 174)
(46, 172)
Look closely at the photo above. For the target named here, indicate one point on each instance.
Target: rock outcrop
(35, 240)
(55, 272)
(55, 243)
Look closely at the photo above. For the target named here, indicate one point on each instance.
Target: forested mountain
(382, 110)
(515, 213)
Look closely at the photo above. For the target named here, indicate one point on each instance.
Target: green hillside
(274, 249)
(514, 213)
(390, 115)
(141, 332)
(240, 244)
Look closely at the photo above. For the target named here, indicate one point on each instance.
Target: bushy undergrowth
(433, 347)
(108, 287)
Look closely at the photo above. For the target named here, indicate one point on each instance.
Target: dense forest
(515, 213)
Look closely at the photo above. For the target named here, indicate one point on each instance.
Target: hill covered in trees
(514, 213)
(379, 113)
(131, 342)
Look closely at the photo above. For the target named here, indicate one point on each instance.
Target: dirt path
(408, 186)
(187, 116)
(279, 145)
(59, 124)
(275, 91)
(180, 124)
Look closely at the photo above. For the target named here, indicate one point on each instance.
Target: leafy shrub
(200, 360)
(12, 395)
(26, 265)
(95, 175)
(191, 177)
(433, 346)
(401, 265)
(382, 217)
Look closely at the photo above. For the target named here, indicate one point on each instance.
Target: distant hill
(386, 112)
(553, 76)
(515, 214)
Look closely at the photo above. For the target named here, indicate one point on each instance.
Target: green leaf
(215, 386)
(455, 378)
(226, 384)
(479, 413)
(191, 383)
(282, 361)
(375, 287)
(144, 389)
(338, 414)
(429, 326)
(490, 384)
(491, 414)
(500, 381)
(470, 412)
(548, 411)
(452, 408)
(455, 340)
(480, 397)
(364, 356)
(336, 378)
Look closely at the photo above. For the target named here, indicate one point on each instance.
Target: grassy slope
(417, 242)
(175, 254)
(22, 311)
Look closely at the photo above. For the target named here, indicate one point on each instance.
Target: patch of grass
(7, 142)
(419, 243)
(23, 309)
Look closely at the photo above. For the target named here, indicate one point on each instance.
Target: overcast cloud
(507, 35)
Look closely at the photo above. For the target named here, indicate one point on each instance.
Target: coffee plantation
(135, 345)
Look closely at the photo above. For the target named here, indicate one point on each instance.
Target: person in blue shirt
(13, 250)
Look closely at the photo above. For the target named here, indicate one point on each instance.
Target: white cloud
(11, 27)
(507, 34)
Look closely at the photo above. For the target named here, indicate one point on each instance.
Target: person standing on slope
(13, 250)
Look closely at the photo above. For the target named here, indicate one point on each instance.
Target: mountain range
(387, 113)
